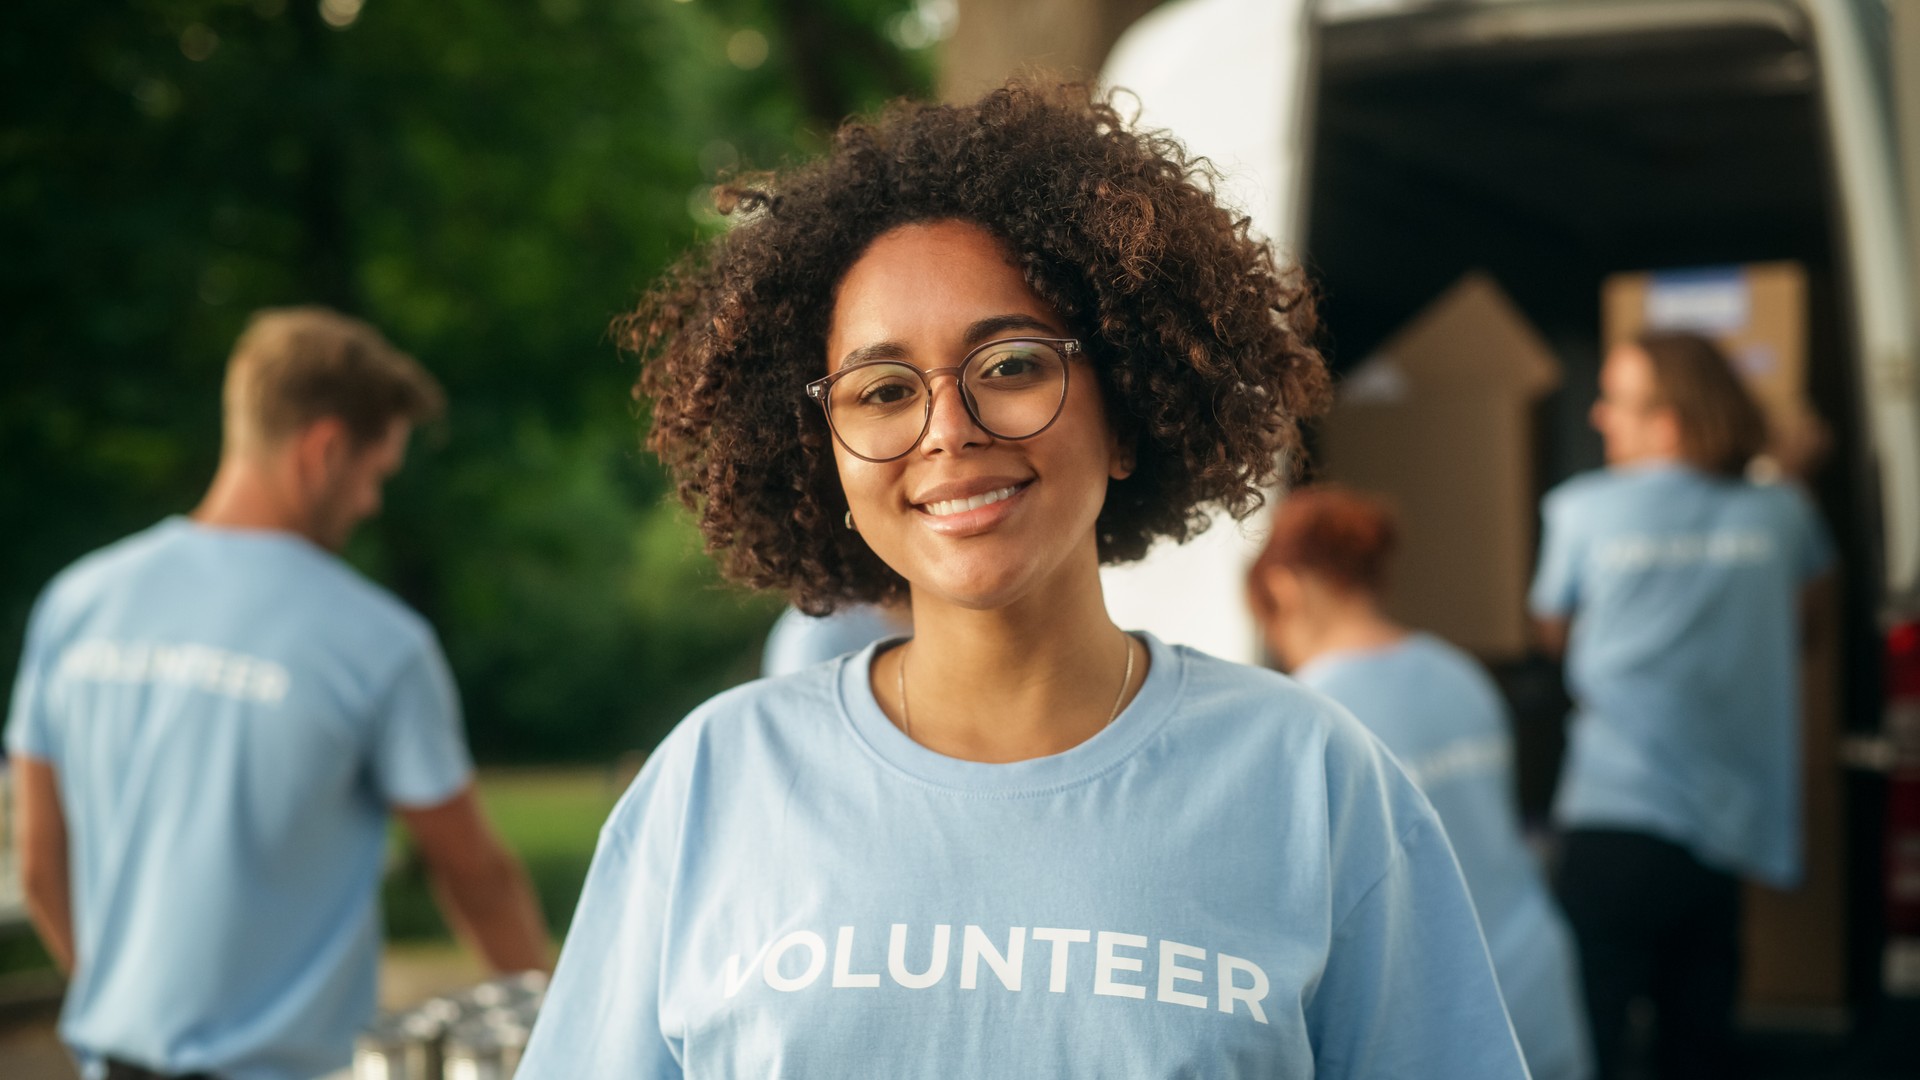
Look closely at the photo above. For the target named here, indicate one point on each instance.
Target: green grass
(549, 812)
(550, 818)
(21, 951)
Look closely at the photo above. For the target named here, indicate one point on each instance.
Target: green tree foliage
(490, 183)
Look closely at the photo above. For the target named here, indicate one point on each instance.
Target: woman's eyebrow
(978, 331)
(879, 350)
(994, 325)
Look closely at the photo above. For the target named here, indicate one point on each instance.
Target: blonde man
(212, 720)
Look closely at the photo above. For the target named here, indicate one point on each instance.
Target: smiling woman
(963, 360)
(1199, 343)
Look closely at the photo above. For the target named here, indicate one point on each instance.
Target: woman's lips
(949, 507)
(973, 514)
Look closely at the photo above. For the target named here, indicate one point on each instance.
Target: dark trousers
(1652, 922)
(121, 1070)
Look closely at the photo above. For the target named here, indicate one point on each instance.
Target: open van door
(1857, 78)
(1898, 749)
(1397, 144)
(1230, 79)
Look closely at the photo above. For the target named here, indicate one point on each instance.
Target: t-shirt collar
(1136, 724)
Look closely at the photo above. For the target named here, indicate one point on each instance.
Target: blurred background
(491, 183)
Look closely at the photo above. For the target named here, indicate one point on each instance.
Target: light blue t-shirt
(1437, 710)
(229, 713)
(1684, 658)
(1231, 880)
(799, 641)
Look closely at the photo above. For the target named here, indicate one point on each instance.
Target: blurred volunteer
(1316, 593)
(1683, 584)
(213, 718)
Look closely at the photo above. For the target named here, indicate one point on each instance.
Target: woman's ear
(1120, 459)
(1285, 587)
(1664, 433)
(1272, 591)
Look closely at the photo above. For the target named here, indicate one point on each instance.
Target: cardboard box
(1795, 940)
(1439, 421)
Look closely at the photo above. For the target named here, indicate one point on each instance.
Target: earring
(851, 527)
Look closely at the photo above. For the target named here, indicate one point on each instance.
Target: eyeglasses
(1012, 388)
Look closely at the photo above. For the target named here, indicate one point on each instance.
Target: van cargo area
(1552, 161)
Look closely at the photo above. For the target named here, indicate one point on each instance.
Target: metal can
(473, 1052)
(477, 1034)
(511, 1028)
(389, 1050)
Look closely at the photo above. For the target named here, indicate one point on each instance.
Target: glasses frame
(1068, 348)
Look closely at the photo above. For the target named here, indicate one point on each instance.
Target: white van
(1392, 145)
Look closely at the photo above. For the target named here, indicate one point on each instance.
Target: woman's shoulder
(754, 714)
(756, 726)
(1452, 666)
(1597, 486)
(1209, 680)
(1259, 710)
(1338, 772)
(1784, 498)
(1406, 682)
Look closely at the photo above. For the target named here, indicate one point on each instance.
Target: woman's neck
(1034, 678)
(1346, 623)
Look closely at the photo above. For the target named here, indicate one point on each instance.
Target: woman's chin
(993, 584)
(971, 595)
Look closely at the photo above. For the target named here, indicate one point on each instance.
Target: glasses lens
(1016, 387)
(878, 410)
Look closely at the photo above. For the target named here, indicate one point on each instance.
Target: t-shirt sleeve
(29, 722)
(1814, 542)
(420, 753)
(601, 1016)
(1556, 580)
(1409, 989)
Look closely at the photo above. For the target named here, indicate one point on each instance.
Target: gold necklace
(906, 716)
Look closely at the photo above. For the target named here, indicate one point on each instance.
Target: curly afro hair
(1203, 346)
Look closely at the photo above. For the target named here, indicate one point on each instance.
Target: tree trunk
(994, 39)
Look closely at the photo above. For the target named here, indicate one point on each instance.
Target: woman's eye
(1009, 366)
(890, 392)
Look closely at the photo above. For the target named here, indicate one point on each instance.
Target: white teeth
(954, 506)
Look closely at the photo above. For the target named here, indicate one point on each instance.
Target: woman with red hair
(1316, 593)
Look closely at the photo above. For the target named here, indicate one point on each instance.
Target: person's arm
(1817, 598)
(40, 836)
(480, 885)
(1555, 591)
(1550, 635)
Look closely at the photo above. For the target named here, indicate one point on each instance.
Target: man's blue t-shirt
(1231, 880)
(229, 714)
(1684, 658)
(1443, 718)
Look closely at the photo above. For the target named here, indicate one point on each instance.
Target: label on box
(1757, 361)
(1378, 381)
(1710, 300)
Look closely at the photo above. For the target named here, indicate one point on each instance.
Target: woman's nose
(950, 426)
